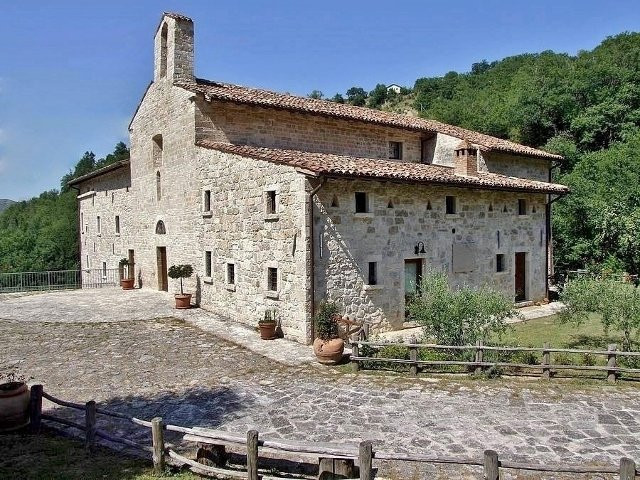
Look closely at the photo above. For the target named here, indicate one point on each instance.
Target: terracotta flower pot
(14, 406)
(127, 283)
(267, 330)
(328, 352)
(183, 300)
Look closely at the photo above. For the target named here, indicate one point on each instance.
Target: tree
(460, 316)
(618, 304)
(317, 94)
(357, 96)
(338, 98)
(378, 96)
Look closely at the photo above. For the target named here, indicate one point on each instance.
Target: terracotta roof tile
(264, 98)
(346, 166)
(100, 171)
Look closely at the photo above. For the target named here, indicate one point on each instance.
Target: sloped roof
(100, 171)
(265, 98)
(347, 166)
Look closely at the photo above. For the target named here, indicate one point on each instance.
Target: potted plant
(125, 283)
(328, 346)
(14, 402)
(183, 300)
(268, 325)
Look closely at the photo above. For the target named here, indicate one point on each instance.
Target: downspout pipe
(312, 269)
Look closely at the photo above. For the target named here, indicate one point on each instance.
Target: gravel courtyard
(124, 350)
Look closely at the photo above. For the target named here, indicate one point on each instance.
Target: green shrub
(460, 316)
(527, 358)
(180, 271)
(562, 359)
(325, 322)
(588, 359)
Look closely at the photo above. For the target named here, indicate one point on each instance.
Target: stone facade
(221, 211)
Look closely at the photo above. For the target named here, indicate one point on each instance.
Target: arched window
(160, 230)
(157, 149)
(163, 51)
(158, 187)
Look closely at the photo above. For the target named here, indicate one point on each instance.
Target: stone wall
(239, 230)
(250, 125)
(107, 196)
(400, 217)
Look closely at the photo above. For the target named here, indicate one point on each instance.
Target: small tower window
(98, 225)
(522, 206)
(157, 148)
(206, 201)
(231, 274)
(450, 204)
(118, 224)
(163, 51)
(372, 277)
(362, 202)
(160, 228)
(158, 187)
(395, 150)
(271, 199)
(207, 263)
(272, 279)
(500, 262)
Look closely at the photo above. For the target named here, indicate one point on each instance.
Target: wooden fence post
(546, 360)
(479, 356)
(252, 455)
(90, 425)
(413, 356)
(365, 459)
(627, 469)
(157, 437)
(491, 465)
(355, 366)
(35, 408)
(611, 363)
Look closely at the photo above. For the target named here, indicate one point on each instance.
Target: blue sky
(72, 72)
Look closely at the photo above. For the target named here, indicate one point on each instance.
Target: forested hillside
(42, 233)
(4, 203)
(584, 107)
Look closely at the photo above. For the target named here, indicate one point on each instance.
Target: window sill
(504, 272)
(207, 214)
(208, 280)
(363, 214)
(230, 287)
(272, 294)
(452, 215)
(373, 287)
(98, 234)
(117, 234)
(271, 217)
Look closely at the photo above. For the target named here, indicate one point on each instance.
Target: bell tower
(173, 49)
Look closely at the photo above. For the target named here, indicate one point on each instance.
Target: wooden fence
(479, 364)
(363, 452)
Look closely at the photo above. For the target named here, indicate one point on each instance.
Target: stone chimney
(466, 159)
(173, 49)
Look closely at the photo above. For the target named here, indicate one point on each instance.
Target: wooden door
(412, 279)
(163, 280)
(131, 266)
(520, 276)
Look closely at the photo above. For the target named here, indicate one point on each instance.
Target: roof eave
(99, 172)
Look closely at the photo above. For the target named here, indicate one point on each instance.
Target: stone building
(280, 201)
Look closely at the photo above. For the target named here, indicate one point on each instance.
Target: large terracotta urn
(14, 406)
(183, 300)
(127, 283)
(328, 352)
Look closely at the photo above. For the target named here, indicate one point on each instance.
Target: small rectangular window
(271, 202)
(450, 205)
(118, 224)
(395, 150)
(362, 202)
(522, 206)
(98, 225)
(104, 270)
(206, 207)
(231, 274)
(272, 279)
(207, 264)
(87, 261)
(373, 273)
(500, 262)
(81, 222)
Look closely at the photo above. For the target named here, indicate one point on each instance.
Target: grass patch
(50, 457)
(590, 335)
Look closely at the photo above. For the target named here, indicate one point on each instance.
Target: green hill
(4, 203)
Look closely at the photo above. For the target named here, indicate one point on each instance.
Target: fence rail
(363, 452)
(480, 363)
(58, 280)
